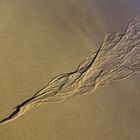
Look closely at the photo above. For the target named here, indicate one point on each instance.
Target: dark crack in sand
(117, 58)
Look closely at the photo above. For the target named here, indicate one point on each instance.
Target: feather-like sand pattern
(117, 58)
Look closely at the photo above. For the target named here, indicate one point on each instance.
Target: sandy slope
(29, 29)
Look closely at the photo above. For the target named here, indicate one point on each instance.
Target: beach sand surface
(42, 39)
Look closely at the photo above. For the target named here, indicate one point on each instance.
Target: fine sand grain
(42, 43)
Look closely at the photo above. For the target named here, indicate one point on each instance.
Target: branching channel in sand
(117, 58)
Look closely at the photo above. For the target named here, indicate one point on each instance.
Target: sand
(40, 40)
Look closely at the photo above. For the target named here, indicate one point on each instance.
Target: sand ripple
(117, 58)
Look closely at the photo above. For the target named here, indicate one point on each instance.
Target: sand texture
(118, 57)
(64, 65)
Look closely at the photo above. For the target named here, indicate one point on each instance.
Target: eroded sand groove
(117, 58)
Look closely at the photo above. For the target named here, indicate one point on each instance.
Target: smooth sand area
(41, 39)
